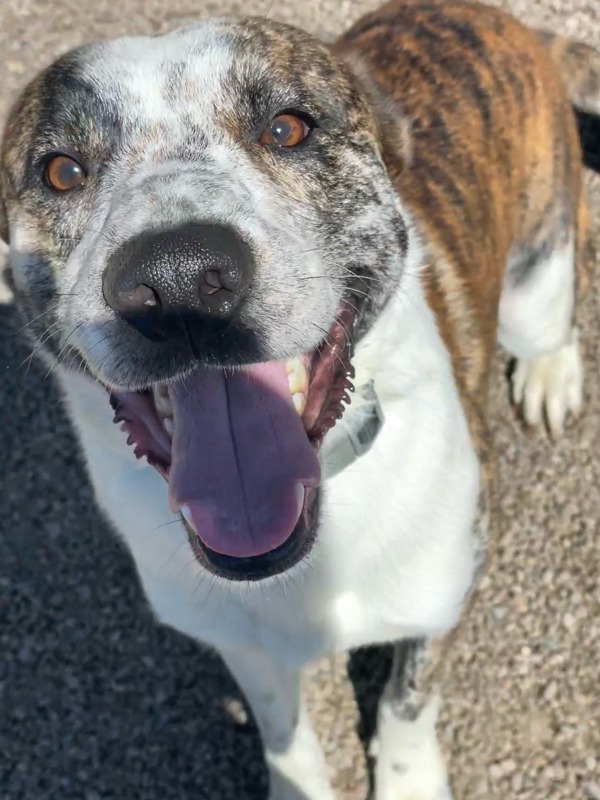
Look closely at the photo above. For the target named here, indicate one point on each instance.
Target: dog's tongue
(240, 458)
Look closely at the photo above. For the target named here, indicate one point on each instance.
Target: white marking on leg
(536, 315)
(410, 765)
(297, 768)
(536, 318)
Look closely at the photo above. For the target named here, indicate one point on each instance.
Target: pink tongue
(240, 459)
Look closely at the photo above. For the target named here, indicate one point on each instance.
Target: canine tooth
(298, 382)
(168, 425)
(162, 402)
(299, 400)
(297, 377)
(291, 365)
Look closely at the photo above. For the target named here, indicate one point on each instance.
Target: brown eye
(63, 173)
(286, 130)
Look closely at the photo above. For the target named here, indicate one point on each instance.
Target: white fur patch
(410, 765)
(138, 67)
(536, 326)
(535, 316)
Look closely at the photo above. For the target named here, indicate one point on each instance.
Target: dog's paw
(549, 387)
(401, 781)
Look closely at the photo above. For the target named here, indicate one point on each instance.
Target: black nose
(194, 272)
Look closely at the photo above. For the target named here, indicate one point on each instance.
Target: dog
(222, 236)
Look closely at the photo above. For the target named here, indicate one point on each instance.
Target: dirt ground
(98, 702)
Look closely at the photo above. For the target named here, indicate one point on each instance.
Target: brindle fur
(489, 182)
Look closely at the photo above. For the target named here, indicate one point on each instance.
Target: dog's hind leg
(297, 768)
(410, 765)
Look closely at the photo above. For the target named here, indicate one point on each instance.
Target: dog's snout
(198, 270)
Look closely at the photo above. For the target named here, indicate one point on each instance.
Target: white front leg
(297, 768)
(410, 765)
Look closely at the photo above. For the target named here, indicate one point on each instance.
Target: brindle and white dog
(217, 234)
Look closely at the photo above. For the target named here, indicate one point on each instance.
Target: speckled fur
(317, 219)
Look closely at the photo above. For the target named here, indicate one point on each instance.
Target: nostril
(210, 282)
(139, 298)
(168, 281)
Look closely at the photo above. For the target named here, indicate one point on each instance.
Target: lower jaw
(256, 568)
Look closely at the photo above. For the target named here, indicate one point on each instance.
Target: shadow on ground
(97, 700)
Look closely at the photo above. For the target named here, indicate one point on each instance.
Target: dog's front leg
(296, 764)
(410, 765)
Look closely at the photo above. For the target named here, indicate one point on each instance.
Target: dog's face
(204, 220)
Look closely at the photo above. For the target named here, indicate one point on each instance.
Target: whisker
(48, 333)
(56, 361)
(165, 524)
(39, 316)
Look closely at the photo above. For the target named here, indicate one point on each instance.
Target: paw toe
(549, 387)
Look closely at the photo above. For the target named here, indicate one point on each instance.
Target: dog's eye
(285, 130)
(63, 173)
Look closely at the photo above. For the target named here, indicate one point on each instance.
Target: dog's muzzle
(237, 447)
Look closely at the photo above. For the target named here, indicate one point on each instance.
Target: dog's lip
(270, 564)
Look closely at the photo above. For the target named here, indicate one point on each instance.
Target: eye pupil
(63, 173)
(68, 172)
(285, 130)
(281, 130)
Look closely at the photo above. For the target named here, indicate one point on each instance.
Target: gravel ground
(98, 702)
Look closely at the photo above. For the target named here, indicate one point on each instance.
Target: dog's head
(204, 220)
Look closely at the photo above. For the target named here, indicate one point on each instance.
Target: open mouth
(239, 451)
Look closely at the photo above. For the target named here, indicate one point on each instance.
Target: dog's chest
(395, 551)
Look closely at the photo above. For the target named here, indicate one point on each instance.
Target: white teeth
(298, 383)
(299, 400)
(162, 402)
(169, 426)
(292, 364)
